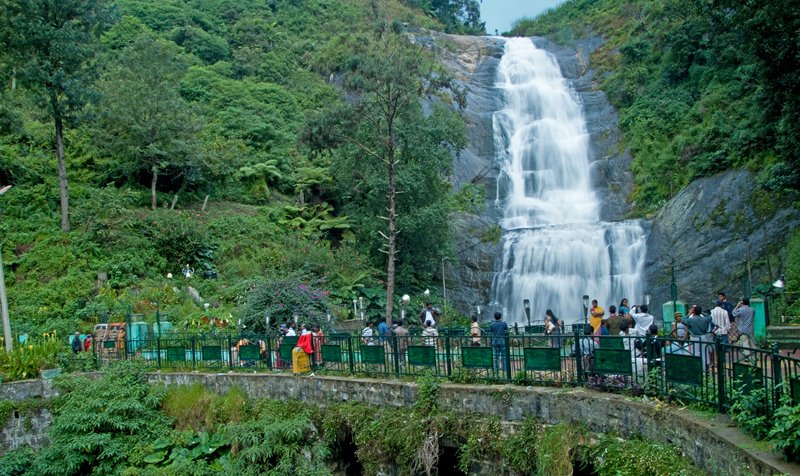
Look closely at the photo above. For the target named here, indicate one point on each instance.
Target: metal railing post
(507, 357)
(350, 354)
(158, 350)
(395, 356)
(720, 361)
(194, 356)
(230, 353)
(269, 351)
(578, 358)
(777, 377)
(448, 364)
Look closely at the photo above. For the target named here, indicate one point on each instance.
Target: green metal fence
(697, 370)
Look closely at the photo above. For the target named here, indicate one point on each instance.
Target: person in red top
(300, 354)
(87, 342)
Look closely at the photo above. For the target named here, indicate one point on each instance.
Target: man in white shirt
(719, 316)
(642, 319)
(367, 334)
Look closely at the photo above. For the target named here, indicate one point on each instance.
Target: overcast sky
(499, 14)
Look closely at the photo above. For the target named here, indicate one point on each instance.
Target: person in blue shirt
(499, 332)
(384, 331)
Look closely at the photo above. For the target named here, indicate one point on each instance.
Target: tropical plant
(785, 432)
(277, 445)
(97, 422)
(26, 360)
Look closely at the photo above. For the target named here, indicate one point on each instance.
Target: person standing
(597, 313)
(430, 334)
(719, 316)
(726, 305)
(383, 331)
(475, 332)
(427, 315)
(700, 328)
(368, 334)
(401, 337)
(615, 321)
(499, 332)
(76, 344)
(317, 341)
(552, 327)
(643, 320)
(624, 309)
(745, 318)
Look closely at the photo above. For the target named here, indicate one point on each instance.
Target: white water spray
(555, 248)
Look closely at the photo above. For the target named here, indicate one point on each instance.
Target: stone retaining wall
(711, 444)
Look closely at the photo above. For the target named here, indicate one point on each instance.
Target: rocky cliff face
(709, 230)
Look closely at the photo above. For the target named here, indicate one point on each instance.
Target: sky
(499, 14)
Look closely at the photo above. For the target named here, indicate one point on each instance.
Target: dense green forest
(702, 86)
(245, 139)
(234, 137)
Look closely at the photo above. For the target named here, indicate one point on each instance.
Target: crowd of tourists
(690, 335)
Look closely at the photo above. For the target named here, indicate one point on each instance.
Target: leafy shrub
(785, 432)
(618, 457)
(282, 299)
(26, 360)
(749, 411)
(277, 445)
(80, 362)
(180, 238)
(193, 407)
(16, 462)
(186, 452)
(98, 422)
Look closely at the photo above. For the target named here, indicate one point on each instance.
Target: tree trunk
(391, 169)
(62, 167)
(392, 238)
(153, 203)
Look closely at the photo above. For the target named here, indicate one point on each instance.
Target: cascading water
(555, 248)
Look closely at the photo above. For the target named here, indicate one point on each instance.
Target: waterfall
(555, 248)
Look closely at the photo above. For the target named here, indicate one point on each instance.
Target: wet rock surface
(709, 229)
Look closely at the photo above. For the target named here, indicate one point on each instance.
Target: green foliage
(555, 448)
(521, 449)
(785, 432)
(618, 457)
(205, 98)
(282, 299)
(428, 395)
(97, 422)
(749, 411)
(180, 238)
(195, 408)
(277, 445)
(26, 360)
(185, 452)
(457, 16)
(17, 462)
